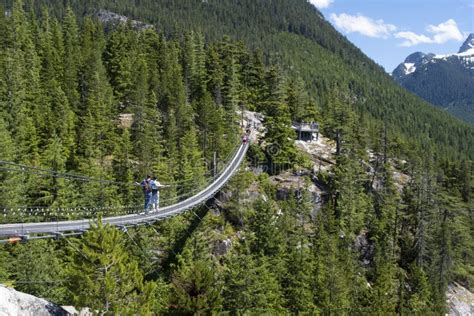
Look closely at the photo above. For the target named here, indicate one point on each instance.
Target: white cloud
(446, 31)
(412, 39)
(442, 33)
(438, 34)
(321, 4)
(363, 25)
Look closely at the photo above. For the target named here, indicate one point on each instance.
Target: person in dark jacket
(146, 187)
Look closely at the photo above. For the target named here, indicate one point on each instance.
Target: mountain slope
(443, 80)
(297, 35)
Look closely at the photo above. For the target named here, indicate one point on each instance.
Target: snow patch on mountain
(467, 53)
(409, 68)
(466, 50)
(443, 80)
(413, 62)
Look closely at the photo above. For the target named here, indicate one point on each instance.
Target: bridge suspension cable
(16, 167)
(131, 214)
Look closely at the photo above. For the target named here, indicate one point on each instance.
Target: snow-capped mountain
(468, 45)
(446, 81)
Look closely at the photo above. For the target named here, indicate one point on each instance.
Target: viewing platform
(306, 131)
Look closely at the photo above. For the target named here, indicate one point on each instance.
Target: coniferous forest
(88, 108)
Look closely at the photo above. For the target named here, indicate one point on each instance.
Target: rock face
(287, 183)
(253, 120)
(111, 17)
(221, 247)
(365, 248)
(13, 303)
(460, 300)
(321, 152)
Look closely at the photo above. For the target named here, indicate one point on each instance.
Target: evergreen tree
(250, 286)
(215, 74)
(97, 135)
(119, 58)
(274, 90)
(10, 190)
(195, 289)
(123, 167)
(44, 278)
(211, 123)
(279, 135)
(418, 296)
(4, 263)
(191, 166)
(351, 203)
(297, 281)
(172, 96)
(265, 224)
(194, 70)
(104, 277)
(297, 100)
(339, 120)
(334, 274)
(55, 192)
(23, 69)
(383, 231)
(72, 60)
(253, 79)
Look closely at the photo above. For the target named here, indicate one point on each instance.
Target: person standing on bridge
(155, 193)
(145, 184)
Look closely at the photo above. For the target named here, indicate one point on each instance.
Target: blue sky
(389, 30)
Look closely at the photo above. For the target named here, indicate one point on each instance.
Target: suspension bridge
(65, 228)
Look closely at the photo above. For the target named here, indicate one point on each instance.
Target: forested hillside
(294, 34)
(87, 109)
(446, 85)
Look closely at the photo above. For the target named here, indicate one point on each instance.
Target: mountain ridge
(468, 44)
(445, 81)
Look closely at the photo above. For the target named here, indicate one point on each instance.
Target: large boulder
(460, 300)
(13, 303)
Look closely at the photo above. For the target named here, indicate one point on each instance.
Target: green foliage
(39, 270)
(279, 135)
(4, 263)
(195, 289)
(265, 225)
(191, 172)
(330, 277)
(308, 47)
(113, 106)
(251, 287)
(102, 276)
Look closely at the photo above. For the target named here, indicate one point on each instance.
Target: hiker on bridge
(145, 184)
(155, 186)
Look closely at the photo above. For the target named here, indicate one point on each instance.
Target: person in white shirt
(155, 193)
